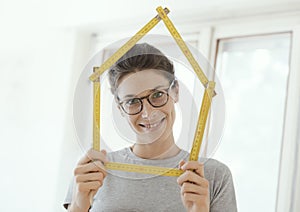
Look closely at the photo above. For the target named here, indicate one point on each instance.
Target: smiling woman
(146, 90)
(151, 120)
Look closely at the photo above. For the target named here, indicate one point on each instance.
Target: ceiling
(106, 13)
(19, 16)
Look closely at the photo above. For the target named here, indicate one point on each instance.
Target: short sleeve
(223, 194)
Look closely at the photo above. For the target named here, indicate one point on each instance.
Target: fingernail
(184, 166)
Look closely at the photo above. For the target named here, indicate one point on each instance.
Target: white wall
(35, 70)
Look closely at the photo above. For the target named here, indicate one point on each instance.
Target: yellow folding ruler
(204, 110)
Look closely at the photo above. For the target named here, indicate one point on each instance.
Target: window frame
(289, 175)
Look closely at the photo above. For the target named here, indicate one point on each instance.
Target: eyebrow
(132, 95)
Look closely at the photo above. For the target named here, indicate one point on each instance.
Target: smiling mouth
(152, 126)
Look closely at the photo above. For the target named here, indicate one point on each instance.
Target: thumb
(91, 196)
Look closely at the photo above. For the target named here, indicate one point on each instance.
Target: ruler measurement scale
(96, 114)
(205, 107)
(127, 46)
(170, 26)
(202, 120)
(154, 170)
(206, 100)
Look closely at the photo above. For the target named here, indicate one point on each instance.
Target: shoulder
(222, 193)
(216, 170)
(115, 155)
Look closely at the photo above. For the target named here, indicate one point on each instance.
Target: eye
(157, 94)
(132, 101)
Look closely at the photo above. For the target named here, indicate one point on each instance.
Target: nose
(147, 109)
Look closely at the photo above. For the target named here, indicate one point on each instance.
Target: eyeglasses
(135, 105)
(157, 98)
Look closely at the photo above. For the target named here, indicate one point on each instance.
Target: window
(254, 72)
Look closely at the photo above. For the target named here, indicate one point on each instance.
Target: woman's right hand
(89, 175)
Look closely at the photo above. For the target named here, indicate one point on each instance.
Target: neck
(159, 149)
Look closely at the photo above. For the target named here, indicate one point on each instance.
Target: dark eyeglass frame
(140, 99)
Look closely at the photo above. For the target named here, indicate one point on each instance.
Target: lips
(151, 125)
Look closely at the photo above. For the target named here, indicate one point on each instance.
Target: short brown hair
(138, 58)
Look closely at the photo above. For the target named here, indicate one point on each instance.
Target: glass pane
(253, 72)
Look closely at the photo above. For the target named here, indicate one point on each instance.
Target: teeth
(151, 125)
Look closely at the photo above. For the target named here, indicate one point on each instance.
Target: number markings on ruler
(202, 119)
(170, 26)
(153, 170)
(206, 103)
(206, 100)
(126, 47)
(96, 115)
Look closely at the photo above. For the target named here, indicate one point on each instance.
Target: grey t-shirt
(125, 191)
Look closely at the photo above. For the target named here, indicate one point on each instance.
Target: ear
(175, 91)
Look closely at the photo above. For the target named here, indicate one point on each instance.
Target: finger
(95, 166)
(191, 197)
(193, 188)
(181, 163)
(92, 155)
(190, 176)
(88, 186)
(94, 176)
(194, 165)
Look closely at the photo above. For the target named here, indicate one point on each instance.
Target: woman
(145, 89)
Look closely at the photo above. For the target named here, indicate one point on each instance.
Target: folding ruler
(204, 110)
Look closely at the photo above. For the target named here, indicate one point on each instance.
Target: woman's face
(151, 123)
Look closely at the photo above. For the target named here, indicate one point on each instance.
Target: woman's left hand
(194, 187)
